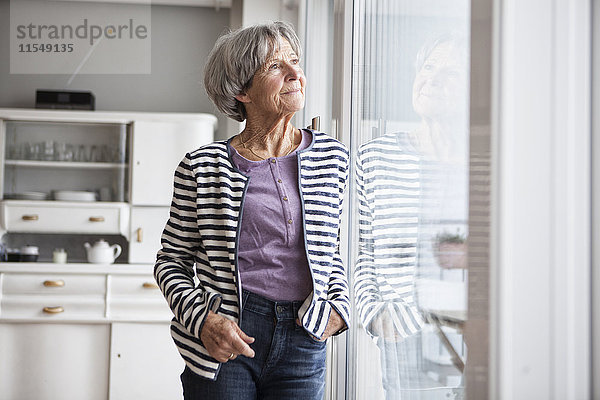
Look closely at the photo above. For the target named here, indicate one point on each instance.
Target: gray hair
(459, 46)
(235, 59)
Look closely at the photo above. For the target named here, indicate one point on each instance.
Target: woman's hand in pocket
(224, 339)
(334, 324)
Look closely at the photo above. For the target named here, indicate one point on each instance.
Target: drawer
(53, 284)
(64, 218)
(137, 297)
(88, 307)
(134, 285)
(133, 308)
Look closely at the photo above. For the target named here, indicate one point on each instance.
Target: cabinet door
(158, 147)
(54, 361)
(147, 224)
(144, 363)
(59, 157)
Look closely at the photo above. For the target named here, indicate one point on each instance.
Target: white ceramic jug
(102, 253)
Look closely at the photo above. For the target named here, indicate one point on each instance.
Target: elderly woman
(256, 219)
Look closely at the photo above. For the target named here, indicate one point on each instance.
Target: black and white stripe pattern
(203, 230)
(389, 189)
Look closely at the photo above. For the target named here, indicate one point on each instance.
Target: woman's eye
(295, 61)
(273, 66)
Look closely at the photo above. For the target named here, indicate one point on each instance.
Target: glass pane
(65, 161)
(410, 129)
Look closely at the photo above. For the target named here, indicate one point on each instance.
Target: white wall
(181, 40)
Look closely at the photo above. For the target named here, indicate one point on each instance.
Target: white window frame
(540, 267)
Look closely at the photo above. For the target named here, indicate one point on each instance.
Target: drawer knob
(58, 283)
(150, 285)
(140, 235)
(96, 219)
(30, 217)
(53, 310)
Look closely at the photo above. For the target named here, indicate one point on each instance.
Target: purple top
(271, 253)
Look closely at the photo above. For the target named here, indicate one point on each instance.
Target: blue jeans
(289, 363)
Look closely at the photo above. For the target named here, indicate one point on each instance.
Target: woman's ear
(243, 97)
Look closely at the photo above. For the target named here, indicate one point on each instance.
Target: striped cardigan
(203, 230)
(389, 188)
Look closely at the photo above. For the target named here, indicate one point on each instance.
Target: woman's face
(440, 87)
(278, 86)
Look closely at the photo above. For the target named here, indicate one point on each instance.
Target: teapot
(102, 253)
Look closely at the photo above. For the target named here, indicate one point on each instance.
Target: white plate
(74, 195)
(31, 196)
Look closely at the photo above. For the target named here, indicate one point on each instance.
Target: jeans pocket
(314, 340)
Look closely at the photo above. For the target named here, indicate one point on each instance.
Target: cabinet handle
(96, 219)
(140, 235)
(58, 283)
(53, 310)
(150, 285)
(30, 217)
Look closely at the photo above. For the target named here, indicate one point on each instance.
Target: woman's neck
(264, 139)
(441, 141)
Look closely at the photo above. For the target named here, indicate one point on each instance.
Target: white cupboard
(50, 361)
(84, 331)
(79, 330)
(142, 366)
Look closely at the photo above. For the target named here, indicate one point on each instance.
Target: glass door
(410, 144)
(501, 168)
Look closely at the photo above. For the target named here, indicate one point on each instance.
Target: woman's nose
(435, 79)
(293, 72)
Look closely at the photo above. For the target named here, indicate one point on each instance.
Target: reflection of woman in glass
(412, 190)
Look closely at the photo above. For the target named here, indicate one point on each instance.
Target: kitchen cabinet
(82, 172)
(134, 347)
(49, 361)
(85, 331)
(80, 330)
(115, 169)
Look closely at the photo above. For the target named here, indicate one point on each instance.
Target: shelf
(76, 268)
(63, 203)
(65, 164)
(192, 3)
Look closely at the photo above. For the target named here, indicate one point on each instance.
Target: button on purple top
(271, 252)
